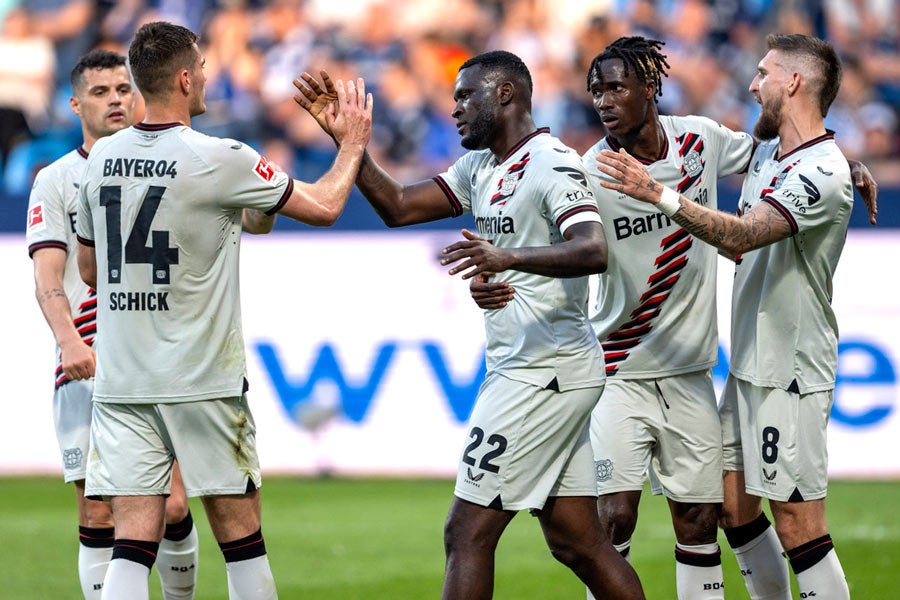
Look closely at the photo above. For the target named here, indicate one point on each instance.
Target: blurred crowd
(408, 51)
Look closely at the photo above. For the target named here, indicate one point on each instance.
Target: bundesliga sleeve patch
(264, 169)
(36, 217)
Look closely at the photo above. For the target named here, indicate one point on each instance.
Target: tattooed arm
(732, 235)
(77, 357)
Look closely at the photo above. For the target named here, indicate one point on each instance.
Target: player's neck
(647, 142)
(797, 128)
(160, 113)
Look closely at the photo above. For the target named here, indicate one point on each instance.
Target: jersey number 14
(136, 251)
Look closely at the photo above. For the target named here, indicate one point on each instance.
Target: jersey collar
(615, 146)
(828, 135)
(157, 126)
(521, 143)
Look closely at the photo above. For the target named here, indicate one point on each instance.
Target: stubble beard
(769, 121)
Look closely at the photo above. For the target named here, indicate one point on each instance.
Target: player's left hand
(490, 295)
(631, 177)
(476, 254)
(867, 187)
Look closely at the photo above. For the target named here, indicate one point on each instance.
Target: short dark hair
(98, 58)
(158, 51)
(640, 54)
(502, 61)
(827, 80)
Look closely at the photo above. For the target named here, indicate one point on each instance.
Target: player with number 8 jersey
(168, 202)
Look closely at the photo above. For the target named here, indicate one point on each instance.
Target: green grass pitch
(381, 539)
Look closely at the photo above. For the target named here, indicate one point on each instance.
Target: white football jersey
(783, 330)
(528, 200)
(162, 204)
(52, 209)
(655, 313)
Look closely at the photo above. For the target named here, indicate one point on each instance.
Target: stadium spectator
(724, 40)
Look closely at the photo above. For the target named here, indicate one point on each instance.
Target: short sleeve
(249, 179)
(456, 183)
(47, 218)
(569, 199)
(811, 197)
(84, 223)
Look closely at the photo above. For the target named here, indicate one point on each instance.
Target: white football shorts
(72, 419)
(667, 428)
(525, 444)
(133, 446)
(777, 438)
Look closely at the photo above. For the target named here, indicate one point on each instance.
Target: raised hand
(349, 119)
(632, 178)
(867, 187)
(313, 98)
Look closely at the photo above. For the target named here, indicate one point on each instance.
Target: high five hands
(316, 100)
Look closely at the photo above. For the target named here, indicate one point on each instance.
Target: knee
(176, 509)
(697, 524)
(567, 552)
(456, 534)
(618, 519)
(97, 515)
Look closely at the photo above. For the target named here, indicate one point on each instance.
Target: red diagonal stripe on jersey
(672, 267)
(689, 139)
(88, 330)
(624, 334)
(617, 346)
(640, 320)
(665, 286)
(687, 182)
(669, 264)
(614, 357)
(645, 307)
(678, 250)
(674, 238)
(91, 316)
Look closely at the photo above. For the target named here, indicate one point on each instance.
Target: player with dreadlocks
(655, 316)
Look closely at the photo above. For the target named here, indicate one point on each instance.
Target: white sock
(698, 572)
(818, 570)
(761, 561)
(251, 579)
(126, 579)
(92, 565)
(177, 565)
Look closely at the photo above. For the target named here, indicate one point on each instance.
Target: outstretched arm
(350, 121)
(397, 204)
(733, 235)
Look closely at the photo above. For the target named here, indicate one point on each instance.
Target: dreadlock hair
(640, 54)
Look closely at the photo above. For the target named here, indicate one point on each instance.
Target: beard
(481, 132)
(769, 121)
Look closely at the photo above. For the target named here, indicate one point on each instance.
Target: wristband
(670, 202)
